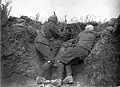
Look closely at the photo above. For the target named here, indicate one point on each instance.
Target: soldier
(48, 31)
(85, 42)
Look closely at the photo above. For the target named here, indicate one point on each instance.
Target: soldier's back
(40, 38)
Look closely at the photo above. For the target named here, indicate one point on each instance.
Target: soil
(20, 65)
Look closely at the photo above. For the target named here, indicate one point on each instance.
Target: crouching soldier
(85, 42)
(48, 31)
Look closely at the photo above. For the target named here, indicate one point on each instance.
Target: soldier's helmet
(89, 27)
(53, 18)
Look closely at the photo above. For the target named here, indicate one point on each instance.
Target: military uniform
(43, 42)
(85, 43)
(42, 46)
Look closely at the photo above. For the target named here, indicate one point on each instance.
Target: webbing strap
(43, 43)
(43, 32)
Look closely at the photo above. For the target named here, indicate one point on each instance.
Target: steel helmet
(53, 18)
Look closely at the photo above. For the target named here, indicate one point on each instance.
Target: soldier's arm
(57, 32)
(70, 43)
(73, 40)
(96, 33)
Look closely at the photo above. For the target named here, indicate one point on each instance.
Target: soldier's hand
(67, 44)
(52, 39)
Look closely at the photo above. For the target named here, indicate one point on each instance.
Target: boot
(68, 79)
(56, 82)
(60, 70)
(40, 79)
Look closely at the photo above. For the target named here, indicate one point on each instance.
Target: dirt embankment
(20, 63)
(17, 51)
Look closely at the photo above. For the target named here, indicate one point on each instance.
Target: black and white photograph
(60, 43)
